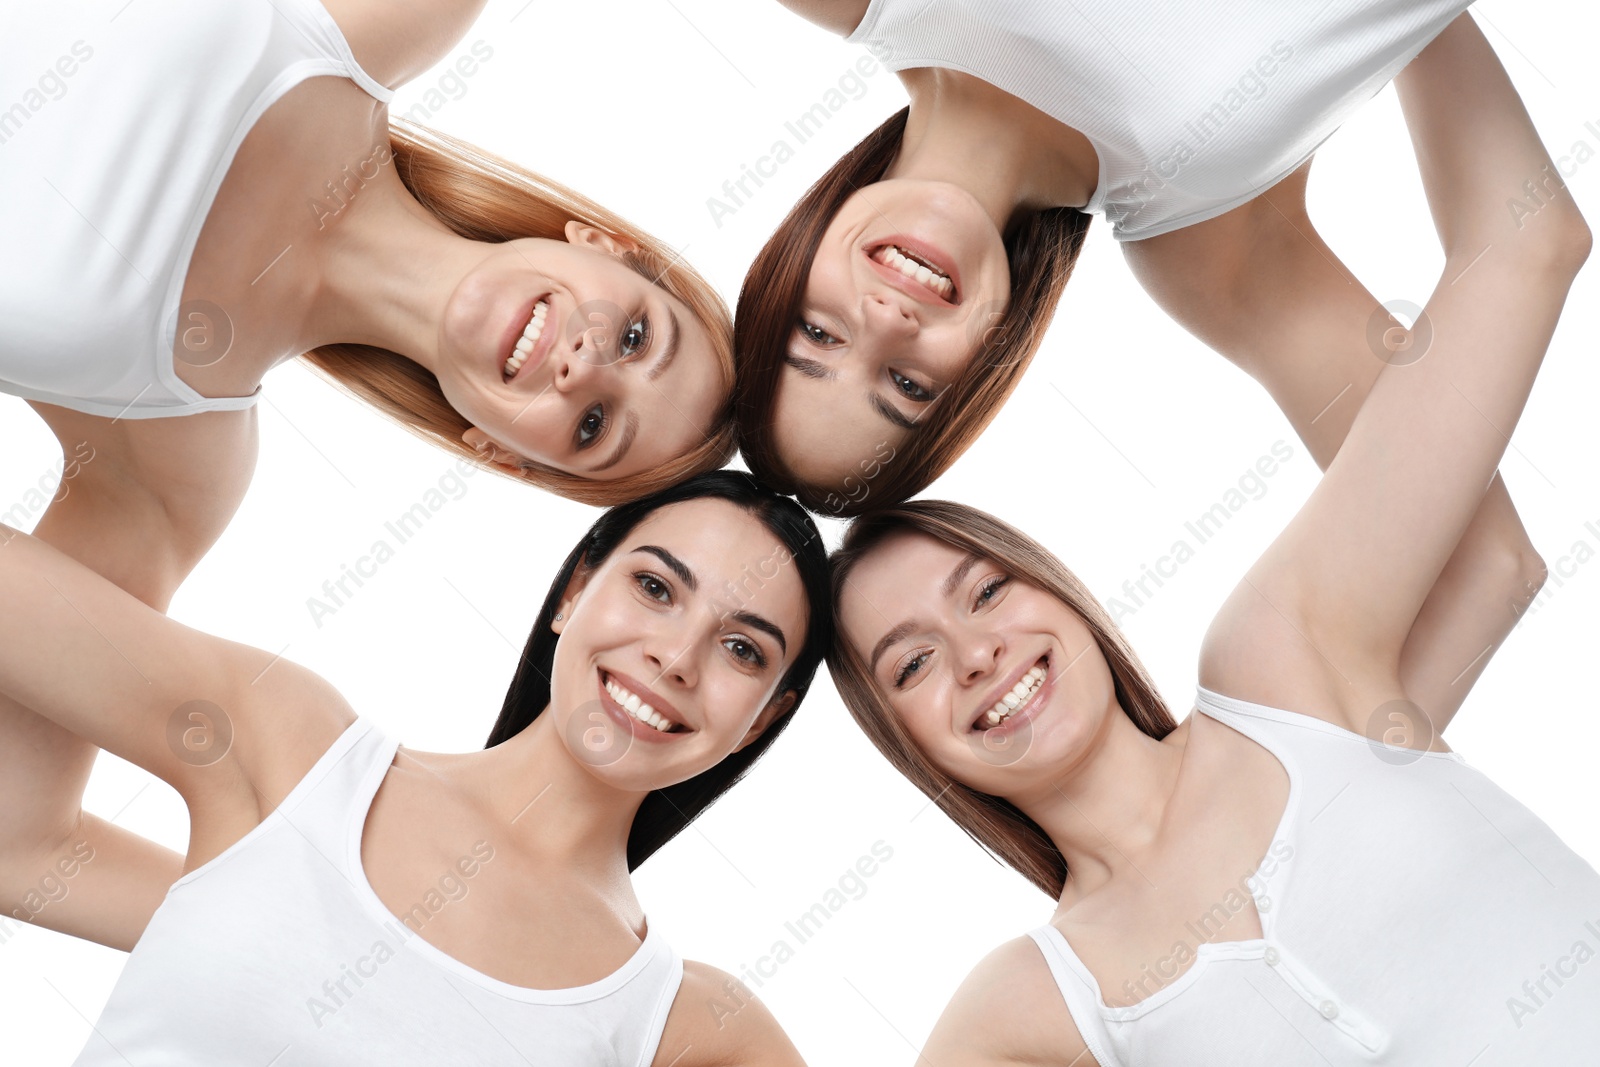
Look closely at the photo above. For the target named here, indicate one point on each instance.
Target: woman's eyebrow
(811, 368)
(669, 348)
(757, 622)
(674, 564)
(887, 410)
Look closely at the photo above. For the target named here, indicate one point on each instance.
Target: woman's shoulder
(396, 40)
(716, 1019)
(1008, 1011)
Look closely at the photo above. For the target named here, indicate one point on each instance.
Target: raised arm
(1260, 286)
(140, 503)
(1319, 622)
(230, 727)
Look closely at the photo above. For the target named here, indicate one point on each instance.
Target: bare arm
(396, 40)
(1320, 622)
(835, 16)
(1260, 286)
(135, 507)
(716, 1021)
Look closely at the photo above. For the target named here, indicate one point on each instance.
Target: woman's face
(954, 644)
(614, 375)
(690, 624)
(908, 277)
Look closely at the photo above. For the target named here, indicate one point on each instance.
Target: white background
(649, 106)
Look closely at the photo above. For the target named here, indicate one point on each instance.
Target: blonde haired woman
(1395, 902)
(197, 192)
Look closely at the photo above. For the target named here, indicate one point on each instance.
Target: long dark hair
(993, 822)
(667, 811)
(1042, 248)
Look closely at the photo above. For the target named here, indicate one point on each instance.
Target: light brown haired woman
(1300, 872)
(217, 189)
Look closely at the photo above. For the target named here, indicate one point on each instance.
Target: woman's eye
(746, 651)
(653, 587)
(591, 426)
(910, 667)
(990, 589)
(816, 334)
(910, 389)
(635, 337)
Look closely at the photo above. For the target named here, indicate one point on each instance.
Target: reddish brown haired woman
(207, 190)
(1300, 873)
(896, 307)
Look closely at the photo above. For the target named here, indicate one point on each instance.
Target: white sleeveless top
(127, 118)
(1411, 912)
(1194, 107)
(279, 952)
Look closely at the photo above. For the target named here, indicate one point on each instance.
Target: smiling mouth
(639, 709)
(1026, 689)
(528, 341)
(917, 269)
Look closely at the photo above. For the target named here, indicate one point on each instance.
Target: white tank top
(126, 119)
(1411, 912)
(279, 952)
(1194, 107)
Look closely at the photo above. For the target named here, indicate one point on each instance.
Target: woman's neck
(387, 273)
(1109, 810)
(556, 808)
(1006, 153)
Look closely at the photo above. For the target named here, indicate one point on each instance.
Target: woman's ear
(775, 710)
(580, 233)
(491, 452)
(569, 597)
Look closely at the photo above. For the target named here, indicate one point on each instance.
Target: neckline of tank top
(370, 902)
(1097, 197)
(1240, 948)
(1205, 951)
(166, 340)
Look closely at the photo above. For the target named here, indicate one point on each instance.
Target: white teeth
(1018, 696)
(630, 703)
(890, 256)
(530, 337)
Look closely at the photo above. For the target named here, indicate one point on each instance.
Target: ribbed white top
(123, 121)
(1412, 912)
(1194, 107)
(278, 951)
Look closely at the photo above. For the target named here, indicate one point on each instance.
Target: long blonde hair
(486, 198)
(995, 823)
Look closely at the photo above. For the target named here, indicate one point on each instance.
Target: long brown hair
(1041, 246)
(486, 198)
(995, 823)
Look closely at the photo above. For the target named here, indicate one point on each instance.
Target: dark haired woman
(1267, 881)
(303, 931)
(219, 189)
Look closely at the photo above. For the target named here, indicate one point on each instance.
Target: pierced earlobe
(559, 616)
